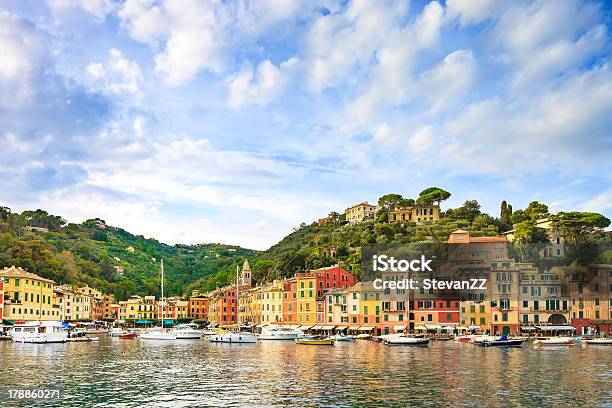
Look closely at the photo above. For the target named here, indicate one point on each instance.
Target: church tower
(245, 274)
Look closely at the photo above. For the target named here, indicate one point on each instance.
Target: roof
(16, 272)
(487, 239)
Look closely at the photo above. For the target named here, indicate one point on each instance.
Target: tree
(576, 226)
(519, 216)
(505, 212)
(389, 200)
(468, 211)
(4, 213)
(536, 211)
(529, 240)
(406, 202)
(431, 195)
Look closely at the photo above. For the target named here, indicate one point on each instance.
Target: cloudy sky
(233, 121)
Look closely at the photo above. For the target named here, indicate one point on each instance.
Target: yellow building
(414, 213)
(271, 296)
(250, 306)
(76, 303)
(137, 307)
(306, 298)
(27, 296)
(360, 212)
(475, 315)
(371, 307)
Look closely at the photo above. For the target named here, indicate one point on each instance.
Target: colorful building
(543, 299)
(1, 300)
(289, 303)
(360, 212)
(414, 213)
(27, 296)
(198, 308)
(271, 296)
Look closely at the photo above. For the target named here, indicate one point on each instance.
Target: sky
(234, 121)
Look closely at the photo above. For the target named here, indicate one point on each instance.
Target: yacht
(233, 337)
(186, 331)
(39, 332)
(279, 334)
(159, 333)
(115, 332)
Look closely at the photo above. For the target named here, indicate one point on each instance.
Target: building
(76, 303)
(590, 291)
(343, 308)
(475, 315)
(27, 296)
(137, 308)
(198, 307)
(271, 297)
(107, 307)
(414, 213)
(289, 303)
(250, 306)
(371, 306)
(360, 212)
(556, 248)
(311, 289)
(543, 299)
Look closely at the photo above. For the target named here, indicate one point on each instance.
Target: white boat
(343, 337)
(115, 332)
(555, 341)
(363, 336)
(39, 332)
(186, 331)
(279, 334)
(479, 338)
(602, 341)
(406, 341)
(233, 337)
(210, 332)
(157, 334)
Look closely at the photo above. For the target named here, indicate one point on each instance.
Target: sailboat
(159, 333)
(238, 337)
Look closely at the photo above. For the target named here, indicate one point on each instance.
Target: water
(135, 373)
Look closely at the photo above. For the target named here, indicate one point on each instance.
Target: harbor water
(189, 373)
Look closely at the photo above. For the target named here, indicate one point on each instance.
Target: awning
(528, 328)
(399, 327)
(316, 327)
(306, 327)
(366, 328)
(420, 328)
(143, 321)
(558, 328)
(433, 326)
(353, 327)
(168, 321)
(328, 327)
(462, 328)
(447, 328)
(474, 328)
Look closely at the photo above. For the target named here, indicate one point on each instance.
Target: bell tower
(245, 274)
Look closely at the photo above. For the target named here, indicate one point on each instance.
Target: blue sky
(234, 121)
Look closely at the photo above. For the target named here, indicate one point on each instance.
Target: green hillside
(90, 253)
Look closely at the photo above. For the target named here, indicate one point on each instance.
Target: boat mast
(162, 292)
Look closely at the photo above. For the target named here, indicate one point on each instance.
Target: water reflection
(133, 373)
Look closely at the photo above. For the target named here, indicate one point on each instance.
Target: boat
(343, 337)
(328, 341)
(363, 336)
(186, 332)
(603, 341)
(39, 332)
(554, 341)
(404, 340)
(279, 334)
(159, 333)
(502, 341)
(464, 339)
(115, 332)
(127, 336)
(479, 338)
(224, 336)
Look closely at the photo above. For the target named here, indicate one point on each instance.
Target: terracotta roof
(16, 272)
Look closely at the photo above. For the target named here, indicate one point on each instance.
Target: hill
(109, 258)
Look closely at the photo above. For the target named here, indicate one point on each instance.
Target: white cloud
(249, 87)
(97, 8)
(117, 75)
(473, 11)
(423, 139)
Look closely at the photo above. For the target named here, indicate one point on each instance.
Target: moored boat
(554, 341)
(329, 341)
(603, 341)
(363, 336)
(406, 341)
(39, 332)
(127, 336)
(343, 337)
(157, 333)
(186, 332)
(279, 334)
(502, 341)
(115, 332)
(223, 336)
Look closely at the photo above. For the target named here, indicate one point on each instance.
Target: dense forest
(118, 262)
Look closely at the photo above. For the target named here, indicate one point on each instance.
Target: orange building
(290, 300)
(198, 307)
(1, 300)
